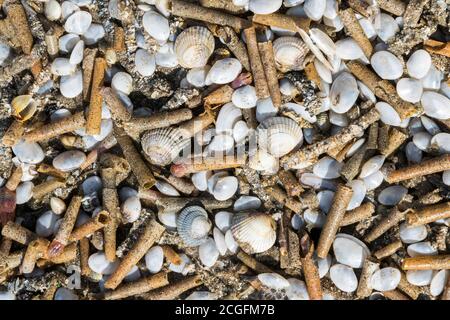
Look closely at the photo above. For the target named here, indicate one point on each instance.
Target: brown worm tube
(13, 134)
(364, 287)
(427, 263)
(14, 180)
(358, 214)
(355, 31)
(252, 263)
(139, 287)
(394, 141)
(197, 124)
(223, 5)
(229, 37)
(197, 165)
(392, 219)
(428, 214)
(413, 12)
(52, 171)
(427, 167)
(118, 110)
(310, 269)
(119, 39)
(137, 125)
(388, 250)
(282, 21)
(94, 116)
(220, 96)
(395, 295)
(281, 196)
(68, 254)
(270, 70)
(407, 288)
(88, 69)
(290, 183)
(18, 19)
(396, 7)
(46, 188)
(18, 233)
(173, 290)
(84, 257)
(35, 250)
(92, 225)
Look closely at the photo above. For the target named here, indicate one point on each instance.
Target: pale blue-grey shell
(193, 225)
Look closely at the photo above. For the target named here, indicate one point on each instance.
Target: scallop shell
(23, 107)
(163, 145)
(193, 225)
(254, 232)
(279, 135)
(194, 46)
(290, 53)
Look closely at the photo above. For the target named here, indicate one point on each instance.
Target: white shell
(297, 222)
(194, 46)
(432, 80)
(156, 25)
(131, 209)
(62, 67)
(69, 160)
(77, 53)
(325, 198)
(323, 265)
(421, 249)
(365, 92)
(98, 263)
(409, 89)
(385, 279)
(91, 185)
(24, 192)
(94, 33)
(279, 135)
(372, 165)
(122, 82)
(343, 277)
(331, 9)
(335, 23)
(273, 281)
(338, 119)
(410, 234)
(57, 205)
(45, 224)
(168, 218)
(419, 277)
(7, 295)
(264, 6)
(228, 115)
(214, 178)
(208, 253)
(297, 290)
(166, 188)
(265, 108)
(163, 145)
(314, 218)
(246, 203)
(438, 282)
(219, 239)
(386, 26)
(344, 92)
(374, 180)
(67, 42)
(430, 125)
(200, 180)
(154, 259)
(359, 193)
(180, 268)
(28, 152)
(323, 71)
(442, 142)
(197, 76)
(145, 62)
(67, 8)
(287, 88)
(350, 252)
(422, 140)
(225, 188)
(240, 131)
(224, 71)
(222, 219)
(446, 177)
(202, 295)
(300, 110)
(78, 23)
(355, 147)
(71, 86)
(348, 49)
(65, 294)
(166, 58)
(244, 97)
(386, 65)
(322, 41)
(315, 9)
(419, 63)
(436, 105)
(290, 53)
(327, 168)
(232, 245)
(392, 195)
(52, 10)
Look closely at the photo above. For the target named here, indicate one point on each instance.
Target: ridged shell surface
(279, 135)
(194, 46)
(193, 225)
(290, 53)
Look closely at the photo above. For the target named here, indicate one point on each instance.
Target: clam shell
(69, 160)
(273, 281)
(438, 282)
(385, 279)
(350, 252)
(263, 161)
(57, 205)
(327, 168)
(322, 41)
(386, 26)
(422, 140)
(264, 6)
(265, 108)
(433, 79)
(78, 22)
(240, 131)
(67, 8)
(297, 290)
(374, 180)
(65, 294)
(98, 263)
(343, 93)
(409, 89)
(24, 192)
(194, 46)
(197, 76)
(315, 9)
(72, 85)
(224, 71)
(436, 105)
(421, 249)
(386, 65)
(392, 195)
(67, 42)
(28, 152)
(193, 226)
(77, 53)
(156, 25)
(23, 107)
(222, 219)
(325, 198)
(93, 34)
(166, 56)
(200, 180)
(348, 49)
(290, 53)
(372, 165)
(430, 125)
(208, 253)
(131, 209)
(122, 82)
(62, 67)
(145, 62)
(254, 232)
(52, 10)
(314, 49)
(247, 203)
(343, 277)
(228, 116)
(410, 234)
(419, 277)
(219, 239)
(225, 188)
(45, 224)
(231, 243)
(418, 64)
(244, 97)
(162, 146)
(154, 259)
(413, 154)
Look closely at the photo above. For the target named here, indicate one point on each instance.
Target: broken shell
(154, 259)
(419, 63)
(409, 89)
(162, 146)
(436, 105)
(386, 65)
(225, 188)
(67, 42)
(52, 10)
(279, 135)
(273, 281)
(385, 279)
(343, 93)
(156, 25)
(131, 209)
(219, 239)
(410, 234)
(77, 53)
(254, 232)
(93, 34)
(322, 41)
(193, 226)
(343, 277)
(224, 71)
(122, 82)
(69, 160)
(392, 195)
(327, 168)
(200, 180)
(388, 115)
(264, 6)
(57, 205)
(28, 152)
(23, 107)
(290, 53)
(228, 115)
(72, 85)
(208, 253)
(78, 22)
(62, 67)
(315, 9)
(323, 71)
(244, 97)
(348, 49)
(194, 46)
(24, 192)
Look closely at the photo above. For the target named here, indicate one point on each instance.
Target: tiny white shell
(131, 209)
(386, 65)
(240, 131)
(436, 105)
(219, 238)
(344, 92)
(315, 9)
(265, 108)
(374, 180)
(78, 23)
(325, 198)
(422, 140)
(145, 62)
(438, 282)
(225, 188)
(24, 192)
(69, 160)
(264, 6)
(77, 53)
(208, 253)
(348, 49)
(197, 76)
(67, 8)
(343, 277)
(418, 64)
(410, 234)
(409, 89)
(200, 180)
(247, 203)
(122, 82)
(156, 25)
(386, 26)
(322, 41)
(194, 46)
(350, 252)
(154, 259)
(297, 290)
(224, 71)
(244, 97)
(98, 263)
(28, 152)
(421, 249)
(314, 218)
(57, 205)
(327, 168)
(52, 10)
(222, 219)
(72, 85)
(385, 279)
(232, 245)
(273, 281)
(45, 224)
(359, 193)
(432, 80)
(372, 165)
(62, 67)
(392, 195)
(93, 34)
(419, 277)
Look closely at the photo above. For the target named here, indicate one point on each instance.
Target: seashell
(5, 53)
(323, 71)
(228, 115)
(163, 145)
(446, 177)
(297, 222)
(122, 82)
(368, 28)
(422, 140)
(94, 33)
(193, 225)
(181, 267)
(430, 125)
(28, 152)
(23, 107)
(310, 179)
(133, 275)
(7, 295)
(335, 23)
(126, 192)
(72, 85)
(442, 142)
(314, 49)
(202, 295)
(69, 160)
(213, 180)
(350, 252)
(77, 53)
(418, 64)
(273, 281)
(208, 253)
(156, 25)
(327, 168)
(355, 147)
(254, 232)
(338, 119)
(325, 198)
(322, 41)
(224, 71)
(264, 6)
(348, 49)
(78, 22)
(67, 42)
(263, 161)
(45, 224)
(386, 65)
(433, 79)
(343, 277)
(219, 239)
(279, 135)
(297, 290)
(292, 3)
(222, 219)
(409, 89)
(410, 234)
(166, 188)
(331, 9)
(265, 108)
(24, 192)
(386, 26)
(221, 143)
(200, 180)
(290, 53)
(436, 105)
(240, 131)
(315, 9)
(57, 205)
(62, 67)
(154, 259)
(247, 203)
(67, 9)
(438, 282)
(82, 3)
(197, 76)
(194, 46)
(131, 209)
(99, 264)
(92, 185)
(344, 92)
(372, 165)
(323, 265)
(163, 7)
(419, 277)
(168, 218)
(385, 279)
(52, 10)
(392, 195)
(241, 3)
(166, 58)
(65, 294)
(287, 88)
(421, 249)
(373, 181)
(106, 127)
(359, 193)
(314, 218)
(225, 188)
(244, 97)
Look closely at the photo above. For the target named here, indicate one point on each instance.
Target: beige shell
(254, 232)
(291, 53)
(163, 145)
(23, 107)
(194, 46)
